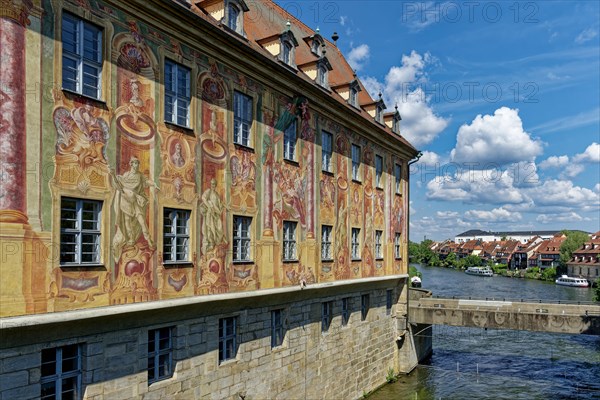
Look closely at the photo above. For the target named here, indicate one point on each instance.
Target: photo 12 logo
(421, 12)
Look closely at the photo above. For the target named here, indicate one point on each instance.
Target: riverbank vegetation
(421, 253)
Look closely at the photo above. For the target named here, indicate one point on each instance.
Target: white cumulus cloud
(561, 217)
(495, 139)
(420, 124)
(496, 215)
(591, 154)
(563, 193)
(358, 56)
(554, 162)
(571, 171)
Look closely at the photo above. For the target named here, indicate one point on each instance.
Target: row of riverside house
(535, 252)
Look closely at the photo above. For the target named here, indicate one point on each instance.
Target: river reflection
(473, 363)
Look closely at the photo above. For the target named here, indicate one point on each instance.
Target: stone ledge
(76, 315)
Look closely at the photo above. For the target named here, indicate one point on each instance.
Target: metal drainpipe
(414, 160)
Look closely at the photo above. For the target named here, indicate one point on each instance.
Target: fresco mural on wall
(340, 235)
(123, 154)
(213, 204)
(133, 244)
(368, 250)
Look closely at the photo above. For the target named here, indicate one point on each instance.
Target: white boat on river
(565, 280)
(479, 271)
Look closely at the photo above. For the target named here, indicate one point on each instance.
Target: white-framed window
(379, 171)
(327, 151)
(326, 315)
(242, 118)
(397, 248)
(81, 56)
(233, 17)
(160, 354)
(241, 238)
(379, 245)
(289, 241)
(355, 253)
(80, 231)
(176, 235)
(177, 93)
(398, 176)
(227, 338)
(277, 331)
(326, 251)
(61, 373)
(289, 141)
(364, 306)
(356, 163)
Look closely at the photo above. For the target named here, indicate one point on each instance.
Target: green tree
(450, 261)
(471, 261)
(573, 241)
(597, 289)
(549, 274)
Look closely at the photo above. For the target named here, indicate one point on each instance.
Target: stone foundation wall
(341, 363)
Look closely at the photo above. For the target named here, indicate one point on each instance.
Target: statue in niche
(130, 207)
(212, 226)
(177, 156)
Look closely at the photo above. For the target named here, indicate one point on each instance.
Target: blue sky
(503, 98)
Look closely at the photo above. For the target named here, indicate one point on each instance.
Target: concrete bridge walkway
(529, 315)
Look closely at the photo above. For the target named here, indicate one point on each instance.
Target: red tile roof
(267, 19)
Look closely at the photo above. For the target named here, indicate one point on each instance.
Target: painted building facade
(155, 154)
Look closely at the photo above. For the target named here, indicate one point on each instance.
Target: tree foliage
(597, 289)
(574, 240)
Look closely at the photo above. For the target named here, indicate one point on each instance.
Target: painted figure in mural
(177, 156)
(212, 226)
(85, 120)
(130, 207)
(136, 104)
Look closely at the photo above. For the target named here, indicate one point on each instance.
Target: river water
(473, 363)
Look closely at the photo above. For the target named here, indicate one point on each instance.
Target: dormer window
(316, 47)
(323, 68)
(353, 96)
(234, 17)
(288, 47)
(322, 76)
(396, 122)
(379, 108)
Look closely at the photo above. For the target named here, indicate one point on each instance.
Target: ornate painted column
(308, 134)
(13, 21)
(268, 156)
